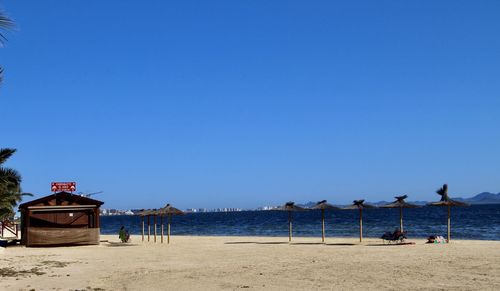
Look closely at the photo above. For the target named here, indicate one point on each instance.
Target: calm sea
(474, 222)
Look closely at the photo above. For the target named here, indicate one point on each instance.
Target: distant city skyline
(245, 104)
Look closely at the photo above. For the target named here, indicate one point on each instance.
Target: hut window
(71, 214)
(91, 220)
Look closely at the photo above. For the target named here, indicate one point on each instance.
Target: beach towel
(436, 239)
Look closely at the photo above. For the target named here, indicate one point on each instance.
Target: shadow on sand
(341, 244)
(391, 245)
(289, 243)
(256, 242)
(119, 244)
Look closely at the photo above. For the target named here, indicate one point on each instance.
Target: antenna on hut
(89, 194)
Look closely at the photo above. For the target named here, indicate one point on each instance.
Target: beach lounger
(394, 237)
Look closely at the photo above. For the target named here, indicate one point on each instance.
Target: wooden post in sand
(401, 219)
(289, 226)
(142, 221)
(161, 219)
(449, 223)
(322, 225)
(360, 224)
(168, 228)
(155, 228)
(149, 228)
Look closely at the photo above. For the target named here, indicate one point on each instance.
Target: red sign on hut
(63, 186)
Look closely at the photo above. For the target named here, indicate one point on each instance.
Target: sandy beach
(233, 263)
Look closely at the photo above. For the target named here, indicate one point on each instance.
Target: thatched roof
(169, 210)
(290, 206)
(145, 212)
(445, 199)
(450, 202)
(359, 204)
(400, 203)
(323, 205)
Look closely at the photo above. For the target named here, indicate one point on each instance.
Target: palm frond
(5, 153)
(10, 175)
(5, 24)
(10, 186)
(5, 21)
(6, 213)
(10, 180)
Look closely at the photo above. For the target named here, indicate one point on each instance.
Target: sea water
(474, 222)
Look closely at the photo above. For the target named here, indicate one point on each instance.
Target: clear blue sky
(249, 103)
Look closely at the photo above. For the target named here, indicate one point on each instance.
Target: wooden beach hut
(60, 219)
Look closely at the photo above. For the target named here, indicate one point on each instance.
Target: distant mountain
(307, 204)
(481, 198)
(378, 203)
(484, 198)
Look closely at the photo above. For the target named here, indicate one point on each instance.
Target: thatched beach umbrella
(323, 205)
(400, 203)
(154, 213)
(142, 214)
(447, 202)
(359, 204)
(168, 210)
(290, 206)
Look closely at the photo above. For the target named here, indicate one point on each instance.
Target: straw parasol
(290, 206)
(168, 210)
(148, 213)
(400, 203)
(323, 205)
(359, 204)
(447, 202)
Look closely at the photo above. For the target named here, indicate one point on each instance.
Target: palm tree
(10, 186)
(5, 24)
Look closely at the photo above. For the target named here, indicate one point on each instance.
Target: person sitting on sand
(123, 234)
